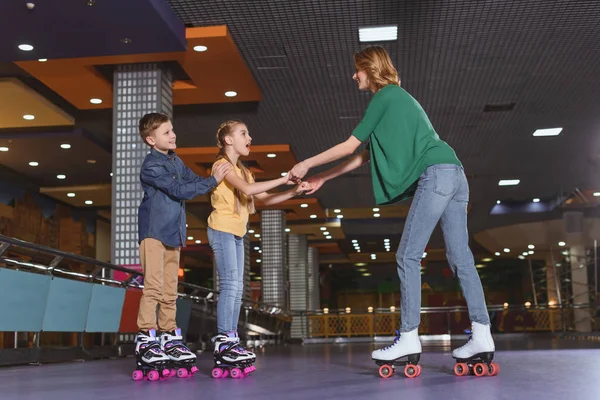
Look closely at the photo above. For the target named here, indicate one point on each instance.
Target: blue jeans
(442, 195)
(229, 256)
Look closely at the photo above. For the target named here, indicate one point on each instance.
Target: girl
(232, 202)
(408, 158)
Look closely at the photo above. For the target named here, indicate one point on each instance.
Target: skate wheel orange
(494, 369)
(480, 369)
(461, 369)
(385, 371)
(411, 370)
(419, 369)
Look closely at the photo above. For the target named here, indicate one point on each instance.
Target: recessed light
(497, 254)
(126, 40)
(509, 182)
(596, 194)
(42, 59)
(536, 200)
(525, 253)
(487, 260)
(340, 216)
(479, 265)
(198, 241)
(29, 117)
(284, 173)
(91, 161)
(337, 211)
(531, 246)
(25, 47)
(96, 101)
(304, 205)
(531, 251)
(89, 202)
(190, 238)
(34, 163)
(376, 215)
(231, 93)
(375, 209)
(386, 240)
(65, 146)
(257, 235)
(287, 229)
(3, 148)
(61, 176)
(258, 260)
(328, 237)
(251, 231)
(313, 216)
(378, 33)
(325, 233)
(70, 194)
(324, 229)
(354, 241)
(507, 250)
(111, 174)
(521, 258)
(548, 132)
(424, 255)
(271, 155)
(498, 202)
(562, 244)
(200, 49)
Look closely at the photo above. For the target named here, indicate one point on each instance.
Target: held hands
(299, 171)
(302, 187)
(314, 183)
(221, 170)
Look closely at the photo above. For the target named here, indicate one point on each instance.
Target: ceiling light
(28, 117)
(65, 146)
(366, 274)
(200, 49)
(479, 265)
(548, 132)
(531, 246)
(324, 229)
(61, 176)
(251, 231)
(498, 201)
(271, 155)
(258, 260)
(328, 237)
(25, 47)
(375, 209)
(507, 250)
(91, 161)
(111, 174)
(525, 253)
(231, 93)
(562, 244)
(313, 216)
(354, 241)
(190, 238)
(303, 205)
(386, 240)
(42, 59)
(536, 200)
(497, 254)
(509, 182)
(198, 241)
(287, 229)
(284, 173)
(70, 194)
(487, 260)
(531, 252)
(424, 255)
(89, 202)
(337, 211)
(597, 194)
(256, 235)
(378, 33)
(521, 258)
(3, 148)
(34, 163)
(96, 101)
(376, 215)
(325, 233)
(358, 250)
(340, 216)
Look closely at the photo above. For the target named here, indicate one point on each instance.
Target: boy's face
(163, 138)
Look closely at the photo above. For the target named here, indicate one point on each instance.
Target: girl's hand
(303, 187)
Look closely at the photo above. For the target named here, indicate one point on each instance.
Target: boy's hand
(221, 170)
(302, 187)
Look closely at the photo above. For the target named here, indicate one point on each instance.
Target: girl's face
(362, 79)
(240, 140)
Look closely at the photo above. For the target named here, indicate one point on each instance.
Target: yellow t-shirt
(224, 218)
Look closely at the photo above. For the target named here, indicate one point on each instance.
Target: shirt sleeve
(371, 119)
(161, 178)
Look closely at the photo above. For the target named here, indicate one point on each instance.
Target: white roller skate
(475, 357)
(182, 359)
(406, 344)
(231, 359)
(152, 362)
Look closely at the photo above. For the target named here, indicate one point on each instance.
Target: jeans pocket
(445, 181)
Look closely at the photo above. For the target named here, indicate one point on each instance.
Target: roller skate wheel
(236, 373)
(419, 369)
(217, 373)
(385, 371)
(411, 371)
(249, 369)
(480, 369)
(137, 375)
(494, 369)
(153, 375)
(166, 373)
(194, 370)
(225, 373)
(461, 369)
(182, 373)
(172, 372)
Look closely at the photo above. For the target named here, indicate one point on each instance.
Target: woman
(409, 159)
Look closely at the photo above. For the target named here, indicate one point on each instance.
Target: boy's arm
(159, 177)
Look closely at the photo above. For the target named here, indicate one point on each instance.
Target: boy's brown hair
(150, 122)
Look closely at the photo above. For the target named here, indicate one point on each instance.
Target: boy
(167, 183)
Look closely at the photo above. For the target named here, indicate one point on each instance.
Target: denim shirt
(167, 183)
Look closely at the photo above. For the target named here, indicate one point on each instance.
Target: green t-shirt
(402, 144)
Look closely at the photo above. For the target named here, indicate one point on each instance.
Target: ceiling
(487, 73)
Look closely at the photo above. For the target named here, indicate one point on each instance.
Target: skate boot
(406, 345)
(230, 358)
(151, 359)
(182, 361)
(242, 349)
(475, 357)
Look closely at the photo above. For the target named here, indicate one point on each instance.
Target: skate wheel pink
(153, 375)
(182, 373)
(194, 370)
(249, 370)
(236, 373)
(217, 373)
(165, 373)
(172, 372)
(225, 373)
(137, 375)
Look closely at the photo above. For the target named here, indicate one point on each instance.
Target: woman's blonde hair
(377, 64)
(224, 130)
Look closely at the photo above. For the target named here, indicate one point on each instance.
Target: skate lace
(395, 341)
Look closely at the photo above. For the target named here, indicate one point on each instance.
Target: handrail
(6, 242)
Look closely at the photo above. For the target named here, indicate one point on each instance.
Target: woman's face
(361, 78)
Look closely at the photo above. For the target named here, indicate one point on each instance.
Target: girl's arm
(275, 198)
(250, 189)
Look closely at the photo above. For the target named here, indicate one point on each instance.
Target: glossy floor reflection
(534, 367)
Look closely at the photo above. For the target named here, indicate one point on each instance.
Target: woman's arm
(318, 180)
(335, 153)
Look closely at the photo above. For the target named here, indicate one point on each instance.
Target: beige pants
(160, 265)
